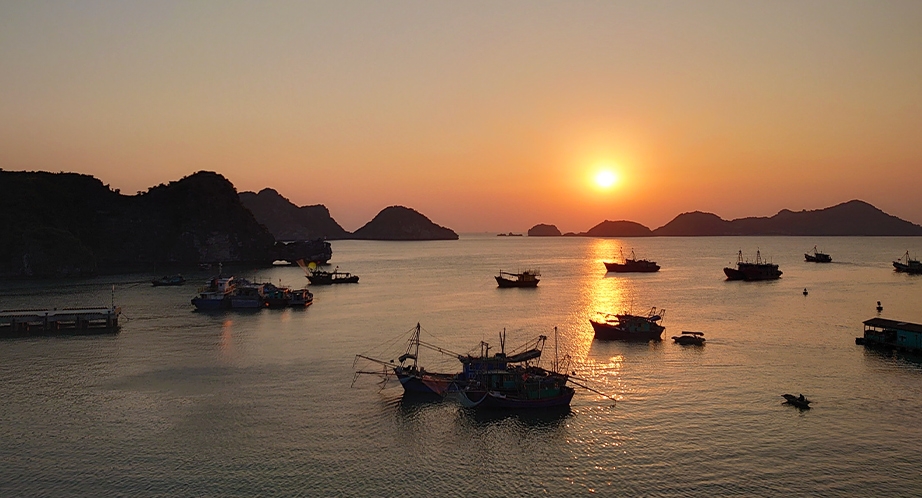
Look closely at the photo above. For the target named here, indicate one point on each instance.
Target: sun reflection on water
(227, 340)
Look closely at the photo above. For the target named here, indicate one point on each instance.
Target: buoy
(805, 291)
(879, 307)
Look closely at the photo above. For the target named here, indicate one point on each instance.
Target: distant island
(852, 218)
(69, 224)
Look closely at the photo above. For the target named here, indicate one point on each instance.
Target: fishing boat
(168, 280)
(215, 294)
(631, 265)
(527, 278)
(323, 277)
(414, 378)
(689, 338)
(512, 381)
(798, 401)
(760, 270)
(282, 297)
(247, 295)
(908, 265)
(817, 257)
(628, 327)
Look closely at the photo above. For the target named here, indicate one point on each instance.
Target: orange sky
(484, 116)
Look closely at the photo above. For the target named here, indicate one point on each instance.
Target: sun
(605, 178)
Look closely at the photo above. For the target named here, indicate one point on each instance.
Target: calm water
(189, 403)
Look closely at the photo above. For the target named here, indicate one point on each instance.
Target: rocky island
(403, 223)
(852, 218)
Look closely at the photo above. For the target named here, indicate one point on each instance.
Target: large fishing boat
(817, 257)
(760, 270)
(317, 276)
(908, 265)
(281, 297)
(631, 265)
(514, 381)
(527, 278)
(215, 295)
(628, 327)
(247, 295)
(414, 378)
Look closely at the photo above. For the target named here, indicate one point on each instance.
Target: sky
(485, 116)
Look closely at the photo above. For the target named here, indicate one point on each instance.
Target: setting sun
(605, 179)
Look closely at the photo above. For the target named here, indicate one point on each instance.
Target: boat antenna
(502, 341)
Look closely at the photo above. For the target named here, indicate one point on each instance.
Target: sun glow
(605, 179)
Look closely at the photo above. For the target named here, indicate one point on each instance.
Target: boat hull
(508, 283)
(616, 332)
(688, 340)
(330, 280)
(495, 400)
(817, 258)
(752, 274)
(425, 383)
(904, 268)
(649, 267)
(210, 304)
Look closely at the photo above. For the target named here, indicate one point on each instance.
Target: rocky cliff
(288, 222)
(72, 224)
(402, 223)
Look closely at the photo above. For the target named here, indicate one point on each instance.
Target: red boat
(627, 327)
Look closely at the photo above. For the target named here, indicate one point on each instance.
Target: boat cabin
(893, 333)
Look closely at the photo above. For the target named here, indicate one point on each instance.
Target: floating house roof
(894, 324)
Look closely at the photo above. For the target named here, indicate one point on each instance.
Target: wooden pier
(64, 321)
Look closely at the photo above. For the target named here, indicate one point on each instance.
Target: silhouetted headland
(852, 218)
(69, 224)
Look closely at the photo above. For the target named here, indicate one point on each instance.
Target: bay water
(188, 403)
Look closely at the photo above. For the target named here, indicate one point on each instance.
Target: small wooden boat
(749, 272)
(168, 280)
(798, 401)
(527, 278)
(689, 338)
(627, 327)
(632, 265)
(911, 266)
(817, 257)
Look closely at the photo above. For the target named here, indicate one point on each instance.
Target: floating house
(76, 321)
(892, 333)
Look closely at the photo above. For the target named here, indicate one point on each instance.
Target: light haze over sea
(186, 403)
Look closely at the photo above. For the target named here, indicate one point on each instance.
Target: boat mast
(556, 361)
(416, 343)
